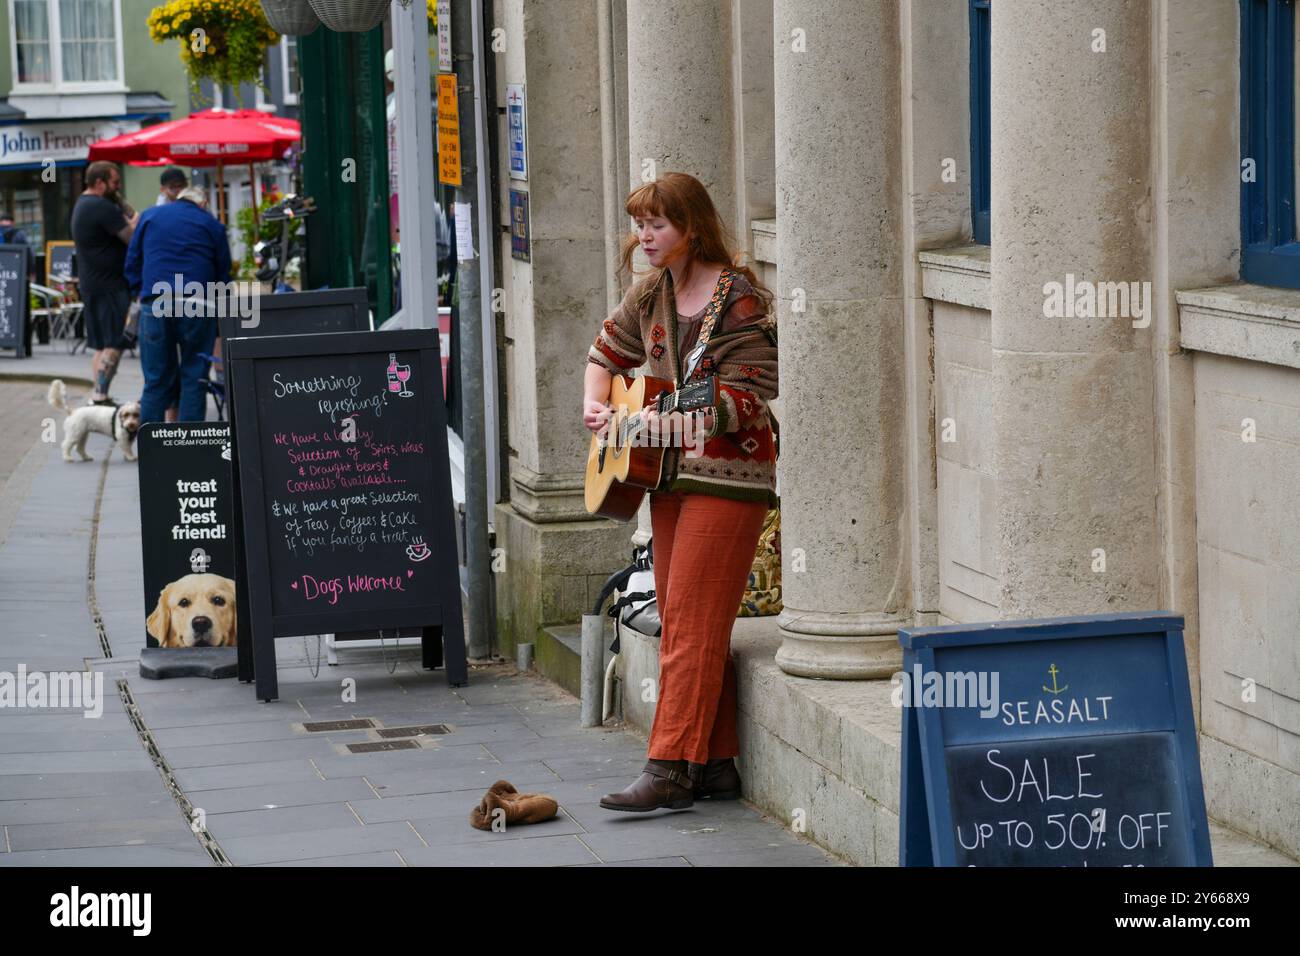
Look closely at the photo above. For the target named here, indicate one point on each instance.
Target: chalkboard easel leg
(268, 682)
(244, 657)
(914, 844)
(431, 647)
(453, 649)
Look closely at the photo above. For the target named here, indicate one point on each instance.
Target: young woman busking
(708, 510)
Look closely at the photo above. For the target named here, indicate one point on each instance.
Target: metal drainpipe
(465, 28)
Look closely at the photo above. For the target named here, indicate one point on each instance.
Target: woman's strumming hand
(595, 414)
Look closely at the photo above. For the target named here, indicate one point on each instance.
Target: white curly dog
(119, 423)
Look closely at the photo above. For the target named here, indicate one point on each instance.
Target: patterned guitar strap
(694, 356)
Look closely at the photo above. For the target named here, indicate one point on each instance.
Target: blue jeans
(174, 371)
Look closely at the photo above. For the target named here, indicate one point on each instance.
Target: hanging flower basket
(351, 16)
(222, 40)
(293, 18)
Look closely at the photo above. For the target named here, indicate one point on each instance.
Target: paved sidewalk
(83, 792)
(73, 791)
(88, 792)
(55, 360)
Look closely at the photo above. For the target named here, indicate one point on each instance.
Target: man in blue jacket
(175, 246)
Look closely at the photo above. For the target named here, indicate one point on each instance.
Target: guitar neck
(701, 394)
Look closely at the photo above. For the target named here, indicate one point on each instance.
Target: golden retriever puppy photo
(197, 610)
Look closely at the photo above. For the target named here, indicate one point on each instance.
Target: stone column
(556, 557)
(1072, 396)
(840, 318)
(680, 111)
(679, 92)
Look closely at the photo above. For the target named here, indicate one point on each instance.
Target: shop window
(66, 45)
(1269, 231)
(289, 66)
(261, 100)
(980, 148)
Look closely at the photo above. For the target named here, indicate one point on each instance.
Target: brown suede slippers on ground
(518, 807)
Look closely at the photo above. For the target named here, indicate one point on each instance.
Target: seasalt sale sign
(1056, 742)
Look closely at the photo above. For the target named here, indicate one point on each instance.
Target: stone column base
(552, 571)
(840, 646)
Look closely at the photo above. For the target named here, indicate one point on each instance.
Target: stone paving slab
(526, 776)
(75, 761)
(382, 858)
(266, 822)
(66, 739)
(302, 794)
(452, 829)
(626, 768)
(659, 861)
(428, 759)
(567, 850)
(632, 842)
(456, 803)
(61, 785)
(246, 775)
(309, 844)
(263, 751)
(179, 854)
(98, 808)
(161, 828)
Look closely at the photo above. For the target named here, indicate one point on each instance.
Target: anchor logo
(1054, 689)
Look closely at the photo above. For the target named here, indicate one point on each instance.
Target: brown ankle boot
(721, 781)
(663, 783)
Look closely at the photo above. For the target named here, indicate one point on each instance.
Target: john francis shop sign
(34, 143)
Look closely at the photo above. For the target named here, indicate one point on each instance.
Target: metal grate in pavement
(375, 746)
(413, 731)
(324, 726)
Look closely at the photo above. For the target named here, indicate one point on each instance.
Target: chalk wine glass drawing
(398, 375)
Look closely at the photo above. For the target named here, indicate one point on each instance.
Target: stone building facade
(962, 453)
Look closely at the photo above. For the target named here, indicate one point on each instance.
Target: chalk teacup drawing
(418, 550)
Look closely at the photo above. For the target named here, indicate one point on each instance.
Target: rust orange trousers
(703, 552)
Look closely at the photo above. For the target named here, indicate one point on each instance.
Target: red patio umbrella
(208, 138)
(212, 137)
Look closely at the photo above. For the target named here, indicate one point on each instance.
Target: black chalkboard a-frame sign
(347, 527)
(1056, 742)
(13, 298)
(59, 255)
(284, 313)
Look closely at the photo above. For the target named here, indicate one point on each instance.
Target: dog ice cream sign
(185, 512)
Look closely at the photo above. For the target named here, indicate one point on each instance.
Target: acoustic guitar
(624, 464)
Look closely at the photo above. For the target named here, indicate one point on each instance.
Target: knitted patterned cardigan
(739, 455)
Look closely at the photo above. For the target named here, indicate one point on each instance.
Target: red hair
(682, 200)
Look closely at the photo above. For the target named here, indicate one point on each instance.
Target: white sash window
(66, 46)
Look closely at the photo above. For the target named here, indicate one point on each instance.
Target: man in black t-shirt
(102, 231)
